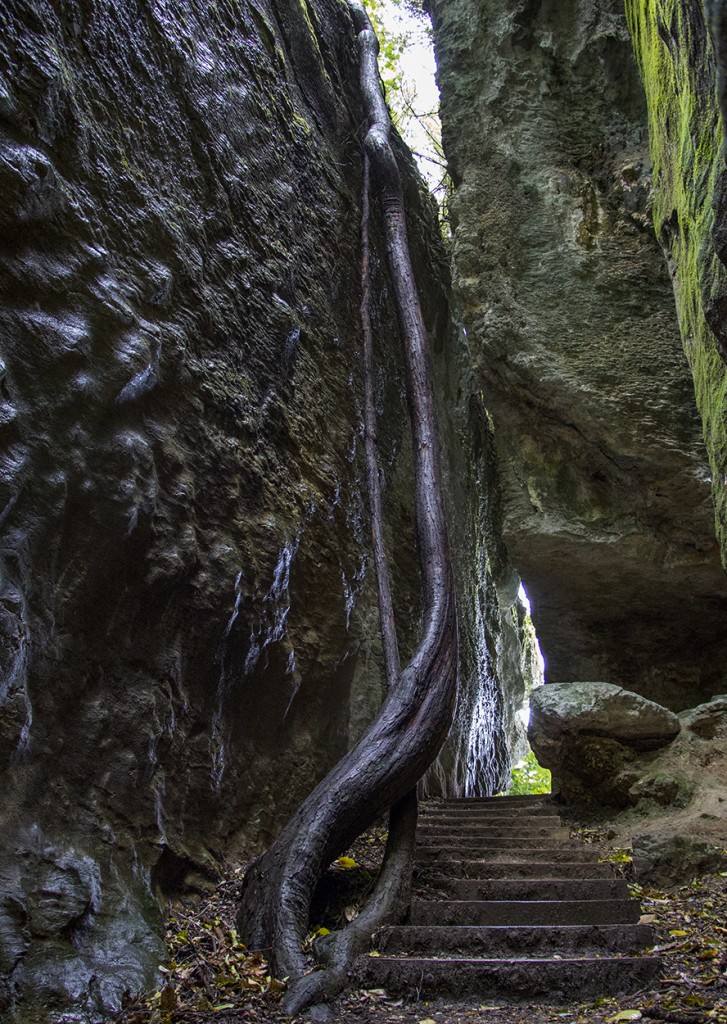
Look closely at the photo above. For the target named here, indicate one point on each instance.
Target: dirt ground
(211, 977)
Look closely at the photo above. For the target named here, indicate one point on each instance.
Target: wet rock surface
(571, 327)
(188, 617)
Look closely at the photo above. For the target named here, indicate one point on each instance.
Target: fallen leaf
(168, 999)
(627, 1015)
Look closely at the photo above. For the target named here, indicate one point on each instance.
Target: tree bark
(384, 766)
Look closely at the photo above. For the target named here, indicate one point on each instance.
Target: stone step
(524, 852)
(539, 889)
(519, 820)
(476, 828)
(526, 912)
(509, 868)
(532, 980)
(497, 807)
(497, 941)
(556, 838)
(515, 912)
(492, 801)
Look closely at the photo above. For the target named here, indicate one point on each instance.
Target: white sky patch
(418, 107)
(540, 677)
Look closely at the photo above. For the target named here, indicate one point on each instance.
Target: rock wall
(679, 69)
(189, 627)
(571, 329)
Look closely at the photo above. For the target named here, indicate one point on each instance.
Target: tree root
(382, 770)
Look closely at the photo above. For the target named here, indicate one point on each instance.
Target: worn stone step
(512, 912)
(539, 889)
(497, 807)
(556, 838)
(524, 851)
(528, 798)
(476, 831)
(493, 941)
(501, 806)
(532, 980)
(516, 869)
(489, 818)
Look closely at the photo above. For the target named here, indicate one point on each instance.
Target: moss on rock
(679, 71)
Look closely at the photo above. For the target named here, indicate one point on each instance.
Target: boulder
(592, 734)
(708, 721)
(560, 711)
(665, 860)
(608, 748)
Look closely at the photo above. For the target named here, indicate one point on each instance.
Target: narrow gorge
(189, 629)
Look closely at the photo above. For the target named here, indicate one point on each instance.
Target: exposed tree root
(383, 768)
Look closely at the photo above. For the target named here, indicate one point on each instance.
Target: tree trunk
(383, 768)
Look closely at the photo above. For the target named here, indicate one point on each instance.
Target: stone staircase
(507, 906)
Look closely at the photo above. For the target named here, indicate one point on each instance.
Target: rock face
(571, 327)
(608, 748)
(684, 83)
(189, 627)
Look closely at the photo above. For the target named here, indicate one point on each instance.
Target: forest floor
(211, 977)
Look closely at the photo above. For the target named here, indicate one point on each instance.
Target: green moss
(686, 137)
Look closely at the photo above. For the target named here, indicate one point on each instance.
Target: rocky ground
(210, 976)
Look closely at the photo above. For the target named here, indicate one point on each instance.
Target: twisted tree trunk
(383, 768)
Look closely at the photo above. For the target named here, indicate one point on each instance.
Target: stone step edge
(632, 935)
(485, 819)
(519, 855)
(547, 841)
(566, 961)
(619, 884)
(527, 798)
(494, 821)
(507, 979)
(518, 903)
(571, 870)
(514, 912)
(482, 831)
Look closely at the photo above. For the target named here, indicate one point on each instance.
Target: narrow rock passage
(509, 906)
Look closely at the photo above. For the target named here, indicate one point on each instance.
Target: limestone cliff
(189, 627)
(678, 65)
(569, 309)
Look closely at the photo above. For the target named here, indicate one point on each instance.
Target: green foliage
(621, 856)
(528, 778)
(391, 47)
(401, 25)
